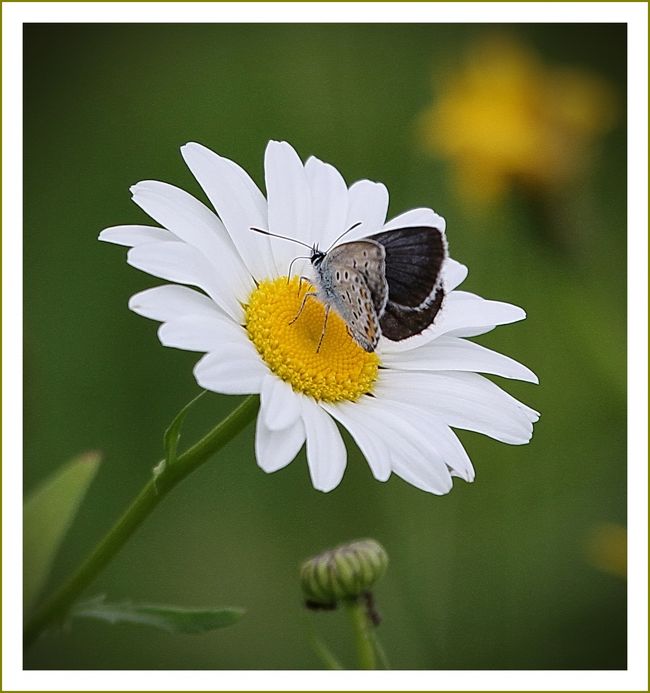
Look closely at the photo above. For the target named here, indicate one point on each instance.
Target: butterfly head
(317, 256)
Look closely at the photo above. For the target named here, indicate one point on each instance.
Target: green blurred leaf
(173, 434)
(47, 514)
(174, 619)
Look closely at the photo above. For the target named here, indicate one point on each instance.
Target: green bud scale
(345, 572)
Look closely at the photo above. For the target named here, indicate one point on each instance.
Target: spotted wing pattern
(352, 277)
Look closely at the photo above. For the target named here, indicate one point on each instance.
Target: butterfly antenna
(300, 257)
(277, 235)
(354, 226)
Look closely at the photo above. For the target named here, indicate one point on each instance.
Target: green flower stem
(379, 650)
(322, 650)
(55, 608)
(361, 626)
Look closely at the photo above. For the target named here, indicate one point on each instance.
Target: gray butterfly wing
(352, 276)
(413, 265)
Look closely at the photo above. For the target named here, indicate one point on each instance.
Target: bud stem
(322, 650)
(362, 633)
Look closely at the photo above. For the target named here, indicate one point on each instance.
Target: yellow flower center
(339, 370)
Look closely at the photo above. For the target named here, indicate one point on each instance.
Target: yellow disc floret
(339, 370)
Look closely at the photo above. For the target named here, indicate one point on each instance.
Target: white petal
(462, 315)
(195, 224)
(415, 472)
(413, 455)
(399, 437)
(181, 263)
(135, 235)
(363, 428)
(326, 453)
(368, 204)
(531, 414)
(462, 400)
(417, 217)
(329, 202)
(453, 274)
(472, 331)
(468, 315)
(452, 450)
(279, 406)
(233, 369)
(172, 260)
(442, 439)
(454, 354)
(172, 301)
(238, 202)
(275, 449)
(198, 333)
(289, 202)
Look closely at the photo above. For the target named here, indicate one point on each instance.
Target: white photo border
(635, 15)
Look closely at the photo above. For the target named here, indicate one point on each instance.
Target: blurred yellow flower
(505, 118)
(606, 548)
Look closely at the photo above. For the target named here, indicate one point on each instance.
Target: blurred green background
(510, 572)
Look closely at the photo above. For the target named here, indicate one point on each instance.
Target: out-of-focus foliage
(607, 548)
(505, 118)
(498, 573)
(48, 512)
(173, 619)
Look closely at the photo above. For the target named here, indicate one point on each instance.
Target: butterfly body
(351, 279)
(389, 283)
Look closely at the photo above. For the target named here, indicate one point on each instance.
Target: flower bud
(345, 572)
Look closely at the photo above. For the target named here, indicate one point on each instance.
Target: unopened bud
(345, 572)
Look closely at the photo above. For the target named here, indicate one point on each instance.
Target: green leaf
(173, 434)
(48, 512)
(174, 619)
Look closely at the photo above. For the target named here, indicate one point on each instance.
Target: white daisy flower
(398, 402)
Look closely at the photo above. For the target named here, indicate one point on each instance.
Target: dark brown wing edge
(400, 322)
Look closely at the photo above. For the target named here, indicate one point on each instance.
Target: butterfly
(386, 284)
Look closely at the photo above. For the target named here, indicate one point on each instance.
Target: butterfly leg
(302, 305)
(302, 277)
(322, 334)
